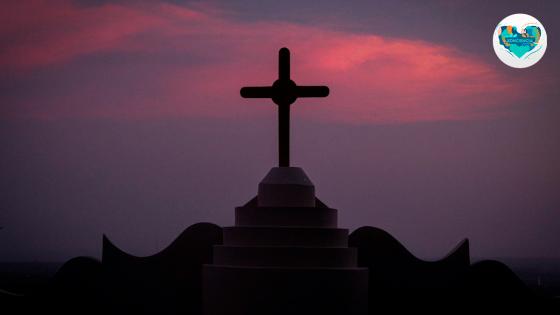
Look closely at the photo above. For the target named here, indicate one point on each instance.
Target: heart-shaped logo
(519, 42)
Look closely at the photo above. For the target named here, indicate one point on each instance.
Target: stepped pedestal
(285, 255)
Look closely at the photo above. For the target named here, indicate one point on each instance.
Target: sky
(124, 118)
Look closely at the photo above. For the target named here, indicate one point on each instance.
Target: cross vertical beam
(284, 92)
(284, 136)
(284, 111)
(284, 64)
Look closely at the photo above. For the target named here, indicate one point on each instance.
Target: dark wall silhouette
(400, 281)
(169, 282)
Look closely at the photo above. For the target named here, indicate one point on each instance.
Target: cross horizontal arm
(257, 92)
(312, 91)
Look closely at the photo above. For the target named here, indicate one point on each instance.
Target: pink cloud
(373, 78)
(47, 32)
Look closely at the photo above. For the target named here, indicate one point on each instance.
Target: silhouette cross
(284, 92)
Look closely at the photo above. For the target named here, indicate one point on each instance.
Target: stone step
(286, 216)
(285, 236)
(336, 257)
(269, 290)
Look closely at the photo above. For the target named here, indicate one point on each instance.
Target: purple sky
(125, 118)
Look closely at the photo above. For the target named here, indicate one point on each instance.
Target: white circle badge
(519, 40)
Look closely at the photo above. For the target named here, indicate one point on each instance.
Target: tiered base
(273, 290)
(285, 260)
